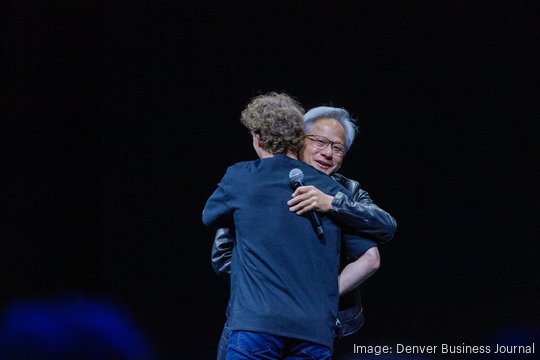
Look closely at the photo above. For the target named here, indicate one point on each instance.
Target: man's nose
(327, 151)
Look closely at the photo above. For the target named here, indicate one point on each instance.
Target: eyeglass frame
(327, 141)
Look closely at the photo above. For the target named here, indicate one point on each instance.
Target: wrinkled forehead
(329, 128)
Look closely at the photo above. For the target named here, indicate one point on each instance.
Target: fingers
(302, 190)
(302, 207)
(301, 194)
(303, 200)
(308, 190)
(309, 198)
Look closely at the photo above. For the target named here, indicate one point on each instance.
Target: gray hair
(340, 114)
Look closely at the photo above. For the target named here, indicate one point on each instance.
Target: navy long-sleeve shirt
(283, 277)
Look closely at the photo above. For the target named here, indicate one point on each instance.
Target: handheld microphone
(296, 179)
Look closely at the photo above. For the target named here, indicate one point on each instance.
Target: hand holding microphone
(296, 179)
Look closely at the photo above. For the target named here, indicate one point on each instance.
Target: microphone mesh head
(296, 175)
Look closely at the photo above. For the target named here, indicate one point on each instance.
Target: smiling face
(324, 159)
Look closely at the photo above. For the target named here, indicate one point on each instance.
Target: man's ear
(257, 141)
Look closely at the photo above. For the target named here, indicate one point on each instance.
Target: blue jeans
(250, 345)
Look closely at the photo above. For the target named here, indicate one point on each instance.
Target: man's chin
(324, 169)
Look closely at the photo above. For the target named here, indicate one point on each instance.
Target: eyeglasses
(321, 143)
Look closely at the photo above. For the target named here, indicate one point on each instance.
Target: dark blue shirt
(283, 277)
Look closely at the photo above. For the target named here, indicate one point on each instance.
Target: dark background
(119, 119)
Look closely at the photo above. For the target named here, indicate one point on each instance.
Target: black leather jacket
(361, 214)
(358, 213)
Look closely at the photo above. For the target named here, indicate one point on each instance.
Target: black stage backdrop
(121, 117)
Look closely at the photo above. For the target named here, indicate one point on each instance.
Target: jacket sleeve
(217, 213)
(361, 214)
(222, 253)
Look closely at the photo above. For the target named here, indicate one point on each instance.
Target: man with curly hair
(284, 289)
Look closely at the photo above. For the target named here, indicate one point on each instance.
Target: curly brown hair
(279, 121)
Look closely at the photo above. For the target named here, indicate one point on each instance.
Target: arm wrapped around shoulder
(361, 214)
